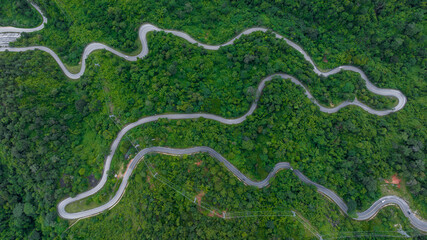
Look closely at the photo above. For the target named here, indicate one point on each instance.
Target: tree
(29, 209)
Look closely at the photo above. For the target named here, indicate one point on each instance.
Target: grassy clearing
(82, 205)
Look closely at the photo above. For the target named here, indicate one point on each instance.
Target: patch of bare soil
(394, 180)
(212, 213)
(325, 59)
(199, 198)
(120, 172)
(215, 214)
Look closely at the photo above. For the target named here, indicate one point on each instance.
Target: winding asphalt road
(144, 29)
(368, 214)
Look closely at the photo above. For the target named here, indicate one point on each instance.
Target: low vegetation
(55, 132)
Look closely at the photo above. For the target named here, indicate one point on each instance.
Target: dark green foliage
(55, 132)
(18, 13)
(38, 118)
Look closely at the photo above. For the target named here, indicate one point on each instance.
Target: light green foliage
(153, 210)
(55, 132)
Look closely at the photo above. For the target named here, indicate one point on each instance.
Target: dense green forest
(18, 13)
(55, 132)
(154, 210)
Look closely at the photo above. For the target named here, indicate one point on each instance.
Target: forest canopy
(55, 132)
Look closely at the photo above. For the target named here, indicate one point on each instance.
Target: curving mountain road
(366, 215)
(144, 29)
(370, 213)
